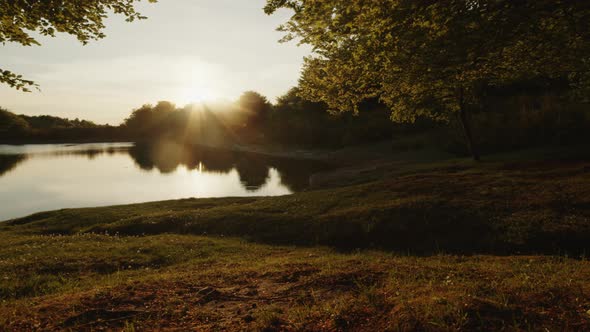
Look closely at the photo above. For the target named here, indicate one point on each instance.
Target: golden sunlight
(197, 84)
(195, 94)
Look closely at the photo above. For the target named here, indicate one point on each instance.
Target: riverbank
(43, 141)
(450, 245)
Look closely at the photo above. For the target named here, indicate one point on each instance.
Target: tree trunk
(464, 116)
(392, 136)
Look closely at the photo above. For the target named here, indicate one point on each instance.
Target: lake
(36, 178)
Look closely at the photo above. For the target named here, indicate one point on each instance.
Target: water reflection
(91, 153)
(10, 162)
(253, 169)
(253, 172)
(45, 177)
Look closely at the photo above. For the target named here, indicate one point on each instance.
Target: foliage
(298, 121)
(83, 19)
(201, 124)
(431, 58)
(255, 107)
(54, 122)
(527, 115)
(252, 118)
(46, 128)
(15, 81)
(11, 123)
(417, 56)
(23, 123)
(147, 117)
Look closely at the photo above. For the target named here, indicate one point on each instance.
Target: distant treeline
(507, 118)
(45, 128)
(252, 118)
(511, 117)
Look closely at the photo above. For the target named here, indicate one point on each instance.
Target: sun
(196, 94)
(197, 82)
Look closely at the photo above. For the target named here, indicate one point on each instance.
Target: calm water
(37, 178)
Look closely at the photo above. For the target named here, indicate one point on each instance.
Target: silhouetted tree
(45, 122)
(150, 122)
(255, 108)
(163, 109)
(12, 125)
(295, 120)
(140, 122)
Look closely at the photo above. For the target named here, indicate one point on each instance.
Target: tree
(140, 120)
(297, 120)
(80, 18)
(292, 101)
(255, 108)
(430, 58)
(151, 120)
(12, 124)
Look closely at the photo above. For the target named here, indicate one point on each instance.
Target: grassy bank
(385, 245)
(494, 208)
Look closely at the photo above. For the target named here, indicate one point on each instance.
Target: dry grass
(231, 285)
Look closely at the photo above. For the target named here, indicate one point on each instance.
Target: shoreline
(63, 141)
(344, 155)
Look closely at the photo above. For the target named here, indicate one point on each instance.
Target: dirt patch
(89, 319)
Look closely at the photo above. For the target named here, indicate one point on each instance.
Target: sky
(186, 51)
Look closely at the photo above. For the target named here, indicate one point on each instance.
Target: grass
(446, 246)
(494, 208)
(186, 281)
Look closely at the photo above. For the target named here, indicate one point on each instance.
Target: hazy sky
(187, 50)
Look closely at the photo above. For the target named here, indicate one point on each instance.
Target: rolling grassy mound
(541, 207)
